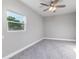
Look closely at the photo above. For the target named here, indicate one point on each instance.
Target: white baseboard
(18, 51)
(60, 39)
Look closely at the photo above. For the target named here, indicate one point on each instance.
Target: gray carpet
(49, 49)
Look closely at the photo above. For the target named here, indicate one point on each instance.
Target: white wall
(13, 41)
(60, 26)
(63, 26)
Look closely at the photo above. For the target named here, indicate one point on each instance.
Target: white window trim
(16, 22)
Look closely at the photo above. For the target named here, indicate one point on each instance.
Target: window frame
(14, 22)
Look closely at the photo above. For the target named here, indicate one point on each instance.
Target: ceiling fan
(52, 6)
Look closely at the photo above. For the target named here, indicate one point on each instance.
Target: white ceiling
(35, 5)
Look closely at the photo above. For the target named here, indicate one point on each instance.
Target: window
(15, 21)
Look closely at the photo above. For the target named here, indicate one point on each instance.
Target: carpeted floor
(49, 49)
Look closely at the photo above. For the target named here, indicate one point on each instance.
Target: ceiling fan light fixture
(50, 8)
(54, 8)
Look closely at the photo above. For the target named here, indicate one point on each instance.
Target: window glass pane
(15, 21)
(15, 26)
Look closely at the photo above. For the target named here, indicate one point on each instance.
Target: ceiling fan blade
(45, 9)
(55, 2)
(60, 6)
(44, 4)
